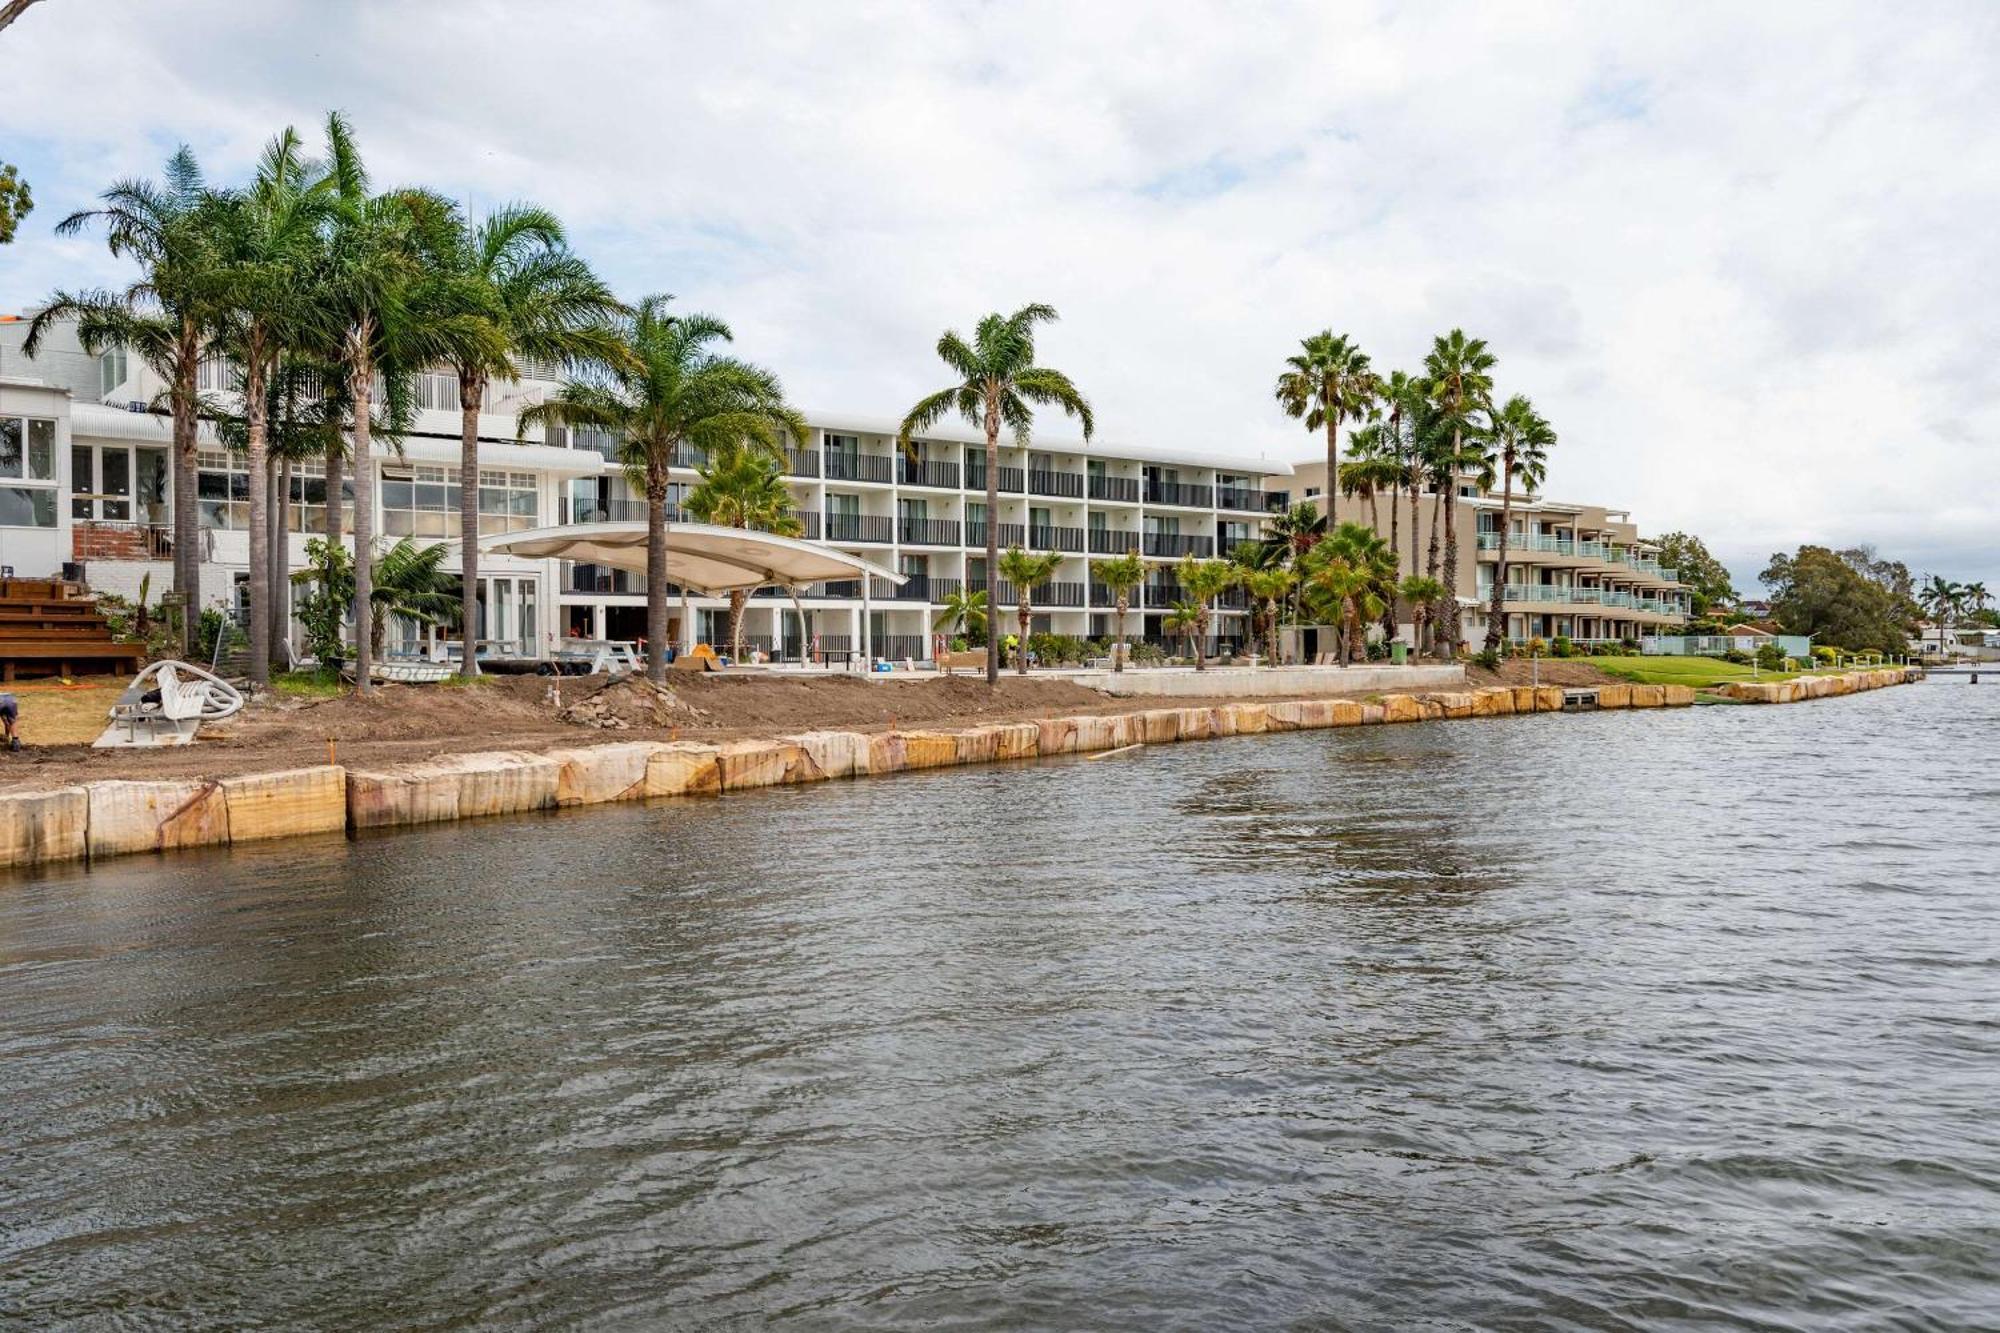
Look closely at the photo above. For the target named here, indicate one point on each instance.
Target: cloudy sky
(1743, 256)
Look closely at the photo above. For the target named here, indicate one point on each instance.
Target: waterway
(1682, 1018)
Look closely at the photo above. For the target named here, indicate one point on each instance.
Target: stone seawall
(99, 820)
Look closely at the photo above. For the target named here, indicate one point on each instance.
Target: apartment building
(1576, 570)
(92, 494)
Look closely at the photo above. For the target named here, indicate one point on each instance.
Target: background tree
(1203, 581)
(998, 381)
(668, 387)
(1026, 571)
(519, 292)
(743, 487)
(1518, 448)
(1943, 601)
(1460, 373)
(1121, 574)
(1706, 577)
(16, 202)
(1816, 592)
(1327, 381)
(1189, 619)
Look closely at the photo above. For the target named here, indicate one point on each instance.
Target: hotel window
(422, 501)
(27, 472)
(110, 371)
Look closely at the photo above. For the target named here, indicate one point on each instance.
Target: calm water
(1661, 1020)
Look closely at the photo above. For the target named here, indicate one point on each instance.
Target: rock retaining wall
(115, 818)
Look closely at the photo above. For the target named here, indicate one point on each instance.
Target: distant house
(1743, 631)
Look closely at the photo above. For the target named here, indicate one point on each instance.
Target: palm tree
(1191, 619)
(1368, 476)
(742, 487)
(998, 379)
(521, 293)
(1400, 403)
(1121, 574)
(271, 234)
(1026, 572)
(1459, 370)
(669, 387)
(1268, 587)
(1354, 568)
(166, 318)
(410, 582)
(1941, 600)
(1326, 382)
(964, 612)
(1297, 530)
(1203, 581)
(1519, 447)
(1422, 593)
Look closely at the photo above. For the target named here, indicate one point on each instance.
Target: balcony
(1119, 490)
(1277, 502)
(842, 466)
(599, 579)
(1162, 592)
(1055, 539)
(927, 531)
(619, 511)
(1107, 597)
(1011, 478)
(110, 539)
(915, 588)
(1068, 485)
(1225, 544)
(1175, 544)
(1110, 541)
(910, 472)
(1046, 596)
(801, 463)
(860, 528)
(1238, 497)
(1010, 534)
(1180, 493)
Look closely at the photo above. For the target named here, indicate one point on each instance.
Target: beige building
(1576, 570)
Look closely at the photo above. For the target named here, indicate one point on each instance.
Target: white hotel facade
(86, 489)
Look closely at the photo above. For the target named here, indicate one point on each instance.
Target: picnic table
(603, 656)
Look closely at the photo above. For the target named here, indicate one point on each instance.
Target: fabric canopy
(700, 556)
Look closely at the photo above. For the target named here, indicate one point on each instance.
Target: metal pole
(867, 630)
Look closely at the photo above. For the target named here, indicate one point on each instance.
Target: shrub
(1736, 655)
(1488, 658)
(1770, 657)
(1538, 647)
(1829, 656)
(1562, 647)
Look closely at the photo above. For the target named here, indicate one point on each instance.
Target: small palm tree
(1121, 574)
(1268, 587)
(1422, 593)
(1188, 618)
(741, 487)
(1026, 571)
(1327, 381)
(1518, 448)
(1355, 571)
(670, 387)
(998, 379)
(410, 581)
(964, 612)
(1459, 371)
(1204, 581)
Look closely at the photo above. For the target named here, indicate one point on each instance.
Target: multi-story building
(1576, 570)
(94, 493)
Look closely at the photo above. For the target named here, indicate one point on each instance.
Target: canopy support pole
(805, 638)
(867, 631)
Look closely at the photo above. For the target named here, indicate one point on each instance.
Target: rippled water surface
(1623, 1021)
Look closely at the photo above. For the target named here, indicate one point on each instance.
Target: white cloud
(1739, 254)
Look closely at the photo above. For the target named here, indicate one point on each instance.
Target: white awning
(700, 556)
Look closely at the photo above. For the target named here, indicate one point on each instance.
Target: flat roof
(955, 431)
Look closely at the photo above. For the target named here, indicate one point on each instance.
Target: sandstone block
(1343, 713)
(1162, 725)
(127, 817)
(1372, 715)
(834, 754)
(38, 827)
(1456, 704)
(1056, 735)
(1614, 696)
(1401, 708)
(684, 768)
(594, 774)
(929, 749)
(1649, 696)
(280, 805)
(458, 786)
(1247, 719)
(978, 745)
(1197, 724)
(1548, 699)
(1017, 740)
(1678, 696)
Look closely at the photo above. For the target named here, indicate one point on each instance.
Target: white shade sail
(700, 556)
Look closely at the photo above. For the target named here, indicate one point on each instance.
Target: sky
(1743, 257)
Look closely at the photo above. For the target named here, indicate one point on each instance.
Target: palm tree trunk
(281, 570)
(1496, 614)
(256, 414)
(187, 514)
(1351, 613)
(336, 481)
(656, 567)
(1416, 503)
(1118, 658)
(361, 389)
(1332, 470)
(737, 601)
(1201, 627)
(1451, 635)
(471, 393)
(805, 639)
(993, 540)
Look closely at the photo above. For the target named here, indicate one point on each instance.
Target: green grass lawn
(1699, 672)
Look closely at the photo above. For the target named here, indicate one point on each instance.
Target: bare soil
(1514, 671)
(399, 723)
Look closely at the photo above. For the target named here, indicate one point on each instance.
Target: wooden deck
(49, 628)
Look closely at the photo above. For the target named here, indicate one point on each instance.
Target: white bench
(188, 696)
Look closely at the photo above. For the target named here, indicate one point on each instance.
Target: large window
(222, 493)
(27, 472)
(422, 501)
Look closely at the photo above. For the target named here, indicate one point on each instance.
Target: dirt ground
(1514, 671)
(408, 722)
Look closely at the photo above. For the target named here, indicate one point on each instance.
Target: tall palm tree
(1460, 372)
(1399, 403)
(997, 381)
(742, 487)
(1941, 600)
(1121, 574)
(1203, 581)
(522, 293)
(271, 238)
(1518, 448)
(1369, 476)
(167, 318)
(1327, 381)
(669, 387)
(1297, 530)
(1026, 571)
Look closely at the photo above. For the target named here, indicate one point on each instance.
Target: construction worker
(10, 717)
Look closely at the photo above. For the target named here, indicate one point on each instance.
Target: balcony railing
(1163, 592)
(1123, 490)
(1051, 595)
(927, 531)
(915, 588)
(1277, 502)
(896, 647)
(1225, 544)
(1055, 482)
(860, 528)
(802, 462)
(599, 579)
(912, 472)
(1010, 534)
(1239, 497)
(843, 466)
(1178, 544)
(1055, 539)
(1179, 493)
(619, 511)
(1011, 478)
(1110, 541)
(1105, 596)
